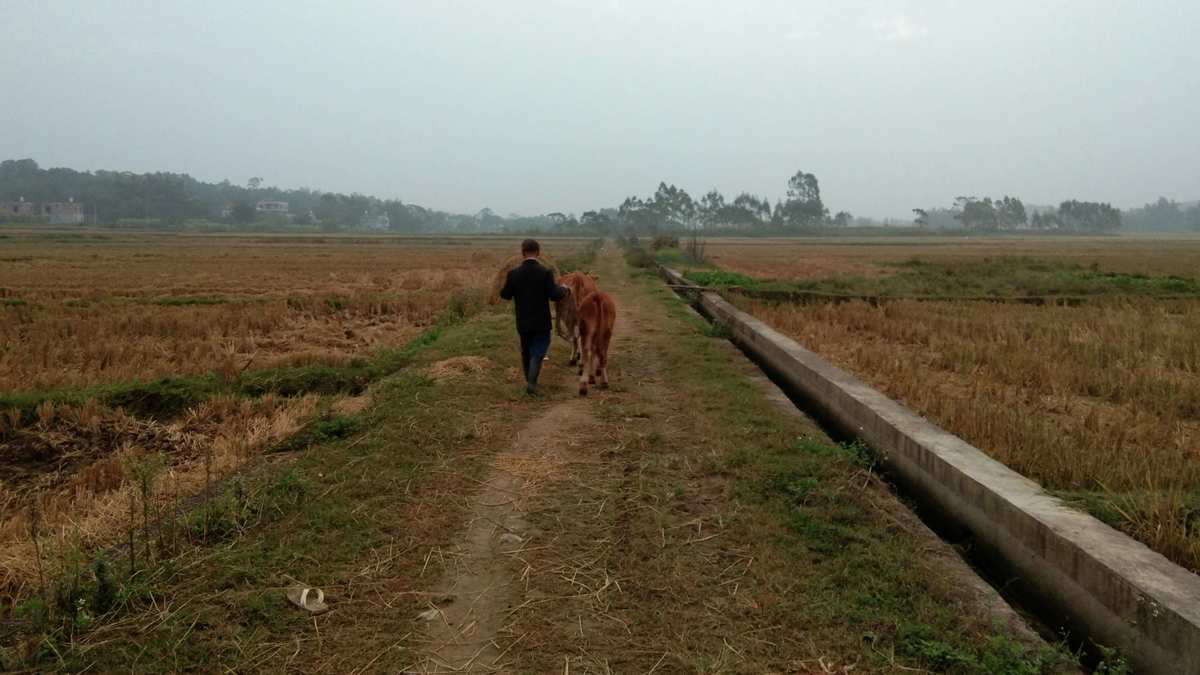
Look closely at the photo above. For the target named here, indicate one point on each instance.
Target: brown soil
(475, 599)
(50, 456)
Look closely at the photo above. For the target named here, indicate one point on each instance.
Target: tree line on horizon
(672, 208)
(1010, 213)
(172, 200)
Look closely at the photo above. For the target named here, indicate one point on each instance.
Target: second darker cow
(596, 314)
(581, 284)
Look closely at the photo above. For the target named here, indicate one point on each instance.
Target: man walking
(531, 287)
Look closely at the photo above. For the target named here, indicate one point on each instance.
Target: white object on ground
(300, 597)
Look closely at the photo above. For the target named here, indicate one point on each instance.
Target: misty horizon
(531, 108)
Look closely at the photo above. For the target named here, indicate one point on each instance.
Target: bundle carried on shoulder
(511, 264)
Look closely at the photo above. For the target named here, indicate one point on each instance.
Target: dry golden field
(1100, 402)
(84, 315)
(820, 258)
(79, 311)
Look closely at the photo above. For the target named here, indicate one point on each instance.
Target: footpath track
(688, 519)
(609, 537)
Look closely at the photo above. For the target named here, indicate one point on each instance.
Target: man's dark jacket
(531, 286)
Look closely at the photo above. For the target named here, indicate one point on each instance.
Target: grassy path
(682, 521)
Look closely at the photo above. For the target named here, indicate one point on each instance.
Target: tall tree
(1010, 212)
(751, 210)
(674, 206)
(712, 208)
(1092, 216)
(242, 213)
(637, 213)
(596, 221)
(976, 213)
(804, 207)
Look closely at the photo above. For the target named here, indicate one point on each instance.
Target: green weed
(997, 656)
(581, 259)
(1112, 662)
(1013, 276)
(719, 330)
(720, 278)
(640, 258)
(679, 258)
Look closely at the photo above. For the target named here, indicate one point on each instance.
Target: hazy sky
(534, 107)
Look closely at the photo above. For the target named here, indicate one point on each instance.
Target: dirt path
(559, 490)
(484, 583)
(635, 552)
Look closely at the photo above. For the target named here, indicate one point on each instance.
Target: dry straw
(219, 307)
(127, 311)
(511, 264)
(1102, 398)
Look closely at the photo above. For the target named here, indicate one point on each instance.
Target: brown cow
(581, 284)
(597, 314)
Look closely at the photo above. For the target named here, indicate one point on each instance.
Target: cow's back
(580, 283)
(598, 311)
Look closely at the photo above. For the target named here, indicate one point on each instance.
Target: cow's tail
(601, 314)
(607, 315)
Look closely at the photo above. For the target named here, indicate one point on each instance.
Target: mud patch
(46, 456)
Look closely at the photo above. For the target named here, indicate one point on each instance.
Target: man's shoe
(535, 369)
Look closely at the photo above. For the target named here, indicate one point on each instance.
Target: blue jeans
(534, 346)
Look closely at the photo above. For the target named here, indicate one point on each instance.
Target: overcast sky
(533, 107)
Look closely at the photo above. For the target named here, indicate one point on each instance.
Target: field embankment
(1099, 402)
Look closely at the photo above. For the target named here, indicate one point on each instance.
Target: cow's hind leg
(585, 358)
(593, 357)
(602, 357)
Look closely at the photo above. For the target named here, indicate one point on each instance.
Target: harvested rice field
(848, 258)
(138, 370)
(79, 312)
(1098, 401)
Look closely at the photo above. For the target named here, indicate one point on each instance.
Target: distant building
(17, 209)
(55, 213)
(377, 222)
(63, 213)
(272, 207)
